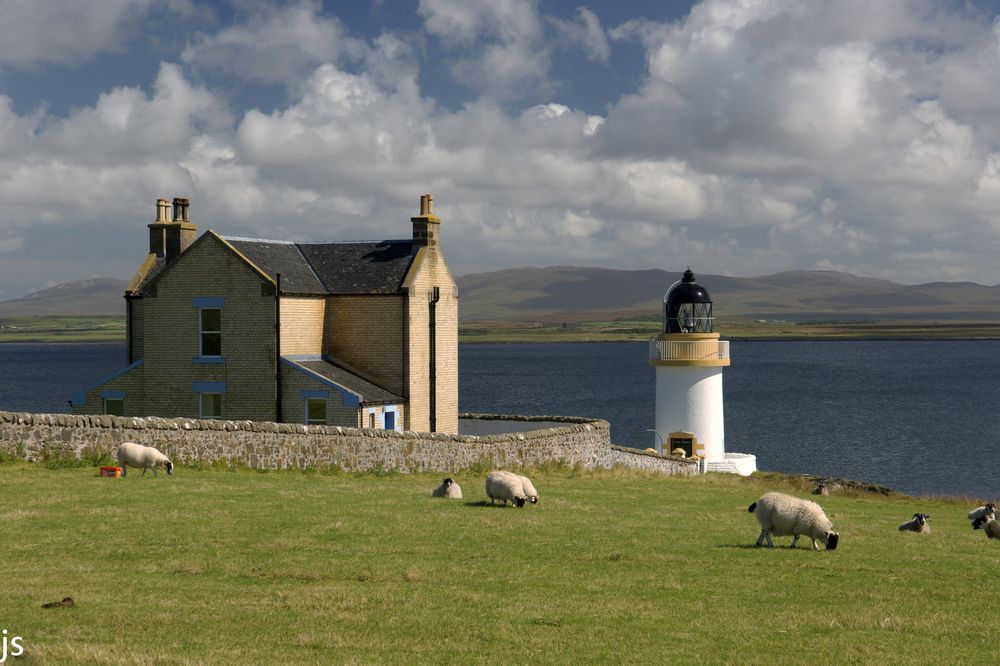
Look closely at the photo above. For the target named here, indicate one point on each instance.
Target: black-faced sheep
(505, 486)
(448, 489)
(135, 455)
(987, 510)
(988, 525)
(530, 493)
(917, 524)
(784, 515)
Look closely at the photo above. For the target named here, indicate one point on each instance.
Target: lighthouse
(689, 358)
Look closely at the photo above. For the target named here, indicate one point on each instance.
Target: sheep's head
(447, 482)
(832, 539)
(169, 466)
(533, 499)
(519, 501)
(921, 518)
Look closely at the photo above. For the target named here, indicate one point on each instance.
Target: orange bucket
(107, 470)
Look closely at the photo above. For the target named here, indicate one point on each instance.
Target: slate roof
(371, 267)
(328, 369)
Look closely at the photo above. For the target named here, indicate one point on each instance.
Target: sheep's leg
(144, 471)
(764, 534)
(154, 469)
(795, 540)
(815, 545)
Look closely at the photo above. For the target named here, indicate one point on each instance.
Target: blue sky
(741, 137)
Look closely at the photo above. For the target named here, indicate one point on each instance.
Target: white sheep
(784, 515)
(135, 455)
(917, 524)
(448, 489)
(505, 486)
(989, 509)
(989, 525)
(529, 489)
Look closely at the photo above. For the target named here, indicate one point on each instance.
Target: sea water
(917, 416)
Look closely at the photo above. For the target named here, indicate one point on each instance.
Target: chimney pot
(426, 204)
(162, 211)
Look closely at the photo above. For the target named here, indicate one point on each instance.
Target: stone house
(360, 334)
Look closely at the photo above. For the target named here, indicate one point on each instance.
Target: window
(371, 419)
(316, 411)
(211, 405)
(211, 331)
(114, 406)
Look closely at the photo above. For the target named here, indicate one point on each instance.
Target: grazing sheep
(505, 486)
(821, 489)
(988, 525)
(449, 489)
(918, 524)
(989, 509)
(784, 515)
(135, 455)
(530, 493)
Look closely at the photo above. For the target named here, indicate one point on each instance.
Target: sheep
(918, 524)
(989, 525)
(783, 515)
(989, 509)
(448, 489)
(821, 489)
(505, 486)
(529, 489)
(146, 457)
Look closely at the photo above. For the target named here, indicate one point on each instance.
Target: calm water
(916, 416)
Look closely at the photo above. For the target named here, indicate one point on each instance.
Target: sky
(738, 137)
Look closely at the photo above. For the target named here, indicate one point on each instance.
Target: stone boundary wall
(265, 445)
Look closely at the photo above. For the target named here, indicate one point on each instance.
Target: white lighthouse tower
(689, 357)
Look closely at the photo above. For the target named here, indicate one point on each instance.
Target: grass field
(217, 566)
(112, 329)
(62, 329)
(641, 330)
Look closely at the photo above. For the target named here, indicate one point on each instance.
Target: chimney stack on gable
(172, 232)
(426, 226)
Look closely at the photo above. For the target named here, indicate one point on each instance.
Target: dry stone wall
(263, 445)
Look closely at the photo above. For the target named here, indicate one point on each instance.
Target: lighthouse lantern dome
(687, 307)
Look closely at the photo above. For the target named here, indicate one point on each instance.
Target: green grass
(645, 328)
(216, 566)
(37, 328)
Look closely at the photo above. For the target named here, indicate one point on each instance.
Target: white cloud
(764, 136)
(275, 43)
(510, 54)
(586, 32)
(70, 31)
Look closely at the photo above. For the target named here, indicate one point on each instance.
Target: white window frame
(203, 331)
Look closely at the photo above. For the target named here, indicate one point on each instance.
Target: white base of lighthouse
(689, 399)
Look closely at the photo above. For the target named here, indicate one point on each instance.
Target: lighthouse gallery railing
(688, 350)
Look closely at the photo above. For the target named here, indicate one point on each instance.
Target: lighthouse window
(691, 318)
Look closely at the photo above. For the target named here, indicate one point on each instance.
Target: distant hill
(566, 293)
(572, 294)
(96, 297)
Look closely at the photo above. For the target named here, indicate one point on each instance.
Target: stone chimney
(172, 232)
(426, 226)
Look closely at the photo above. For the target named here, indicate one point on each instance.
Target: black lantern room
(687, 307)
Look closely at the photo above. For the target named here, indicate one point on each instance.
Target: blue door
(390, 420)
